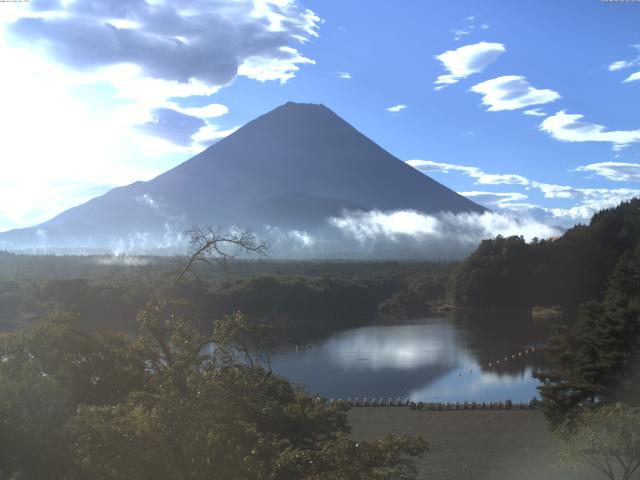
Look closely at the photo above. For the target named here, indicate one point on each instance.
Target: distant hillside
(565, 271)
(293, 167)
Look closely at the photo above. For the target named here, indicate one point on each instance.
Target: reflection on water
(430, 360)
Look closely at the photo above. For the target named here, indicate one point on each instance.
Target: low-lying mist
(400, 235)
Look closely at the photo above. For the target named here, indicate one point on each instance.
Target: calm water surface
(434, 359)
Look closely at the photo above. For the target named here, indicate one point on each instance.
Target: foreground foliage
(607, 439)
(172, 404)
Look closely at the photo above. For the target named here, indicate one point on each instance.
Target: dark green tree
(172, 404)
(47, 372)
(594, 360)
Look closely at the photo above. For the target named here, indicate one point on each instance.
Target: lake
(432, 360)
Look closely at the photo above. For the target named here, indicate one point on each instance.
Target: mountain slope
(293, 167)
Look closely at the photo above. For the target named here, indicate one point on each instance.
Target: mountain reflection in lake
(434, 359)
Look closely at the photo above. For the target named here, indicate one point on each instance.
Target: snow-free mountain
(292, 168)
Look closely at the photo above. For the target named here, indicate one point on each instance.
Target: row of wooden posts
(436, 406)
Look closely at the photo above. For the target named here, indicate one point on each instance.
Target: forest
(173, 388)
(565, 271)
(309, 297)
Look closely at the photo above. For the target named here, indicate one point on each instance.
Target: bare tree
(214, 245)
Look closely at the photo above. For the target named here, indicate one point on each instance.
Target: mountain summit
(293, 167)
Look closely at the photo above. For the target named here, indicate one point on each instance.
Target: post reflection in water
(436, 359)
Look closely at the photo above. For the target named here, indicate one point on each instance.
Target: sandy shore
(472, 445)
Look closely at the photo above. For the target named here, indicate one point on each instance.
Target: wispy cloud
(495, 199)
(482, 178)
(632, 78)
(621, 64)
(624, 64)
(535, 112)
(344, 75)
(461, 32)
(396, 108)
(512, 92)
(592, 200)
(568, 127)
(467, 60)
(469, 26)
(587, 200)
(616, 171)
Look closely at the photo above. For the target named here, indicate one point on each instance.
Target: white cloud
(568, 127)
(624, 64)
(494, 199)
(512, 92)
(467, 60)
(550, 190)
(469, 26)
(404, 234)
(481, 177)
(535, 112)
(386, 224)
(620, 64)
(210, 133)
(344, 75)
(396, 108)
(632, 78)
(616, 171)
(208, 111)
(190, 39)
(595, 199)
(265, 69)
(463, 229)
(460, 32)
(587, 200)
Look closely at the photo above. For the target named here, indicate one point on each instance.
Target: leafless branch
(213, 245)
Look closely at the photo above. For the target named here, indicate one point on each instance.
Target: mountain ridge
(244, 179)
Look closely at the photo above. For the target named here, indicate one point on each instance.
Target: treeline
(324, 300)
(110, 267)
(565, 271)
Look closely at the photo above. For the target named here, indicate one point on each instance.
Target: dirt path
(472, 445)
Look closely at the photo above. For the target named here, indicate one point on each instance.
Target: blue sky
(528, 107)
